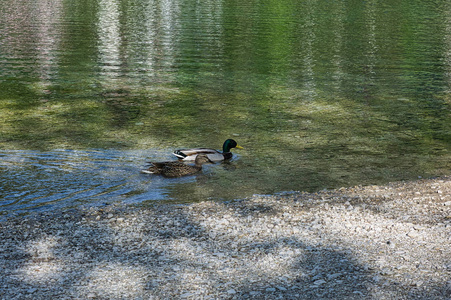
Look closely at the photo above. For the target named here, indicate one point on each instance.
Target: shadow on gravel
(104, 258)
(284, 268)
(320, 273)
(442, 291)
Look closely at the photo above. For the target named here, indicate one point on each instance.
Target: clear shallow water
(38, 181)
(320, 94)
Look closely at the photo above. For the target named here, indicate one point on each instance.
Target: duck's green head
(229, 144)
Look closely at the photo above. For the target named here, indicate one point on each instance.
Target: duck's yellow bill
(239, 147)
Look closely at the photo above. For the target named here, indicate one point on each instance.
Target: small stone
(358, 293)
(413, 234)
(186, 295)
(419, 283)
(334, 276)
(231, 291)
(319, 282)
(270, 289)
(317, 277)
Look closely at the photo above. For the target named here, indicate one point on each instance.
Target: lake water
(321, 94)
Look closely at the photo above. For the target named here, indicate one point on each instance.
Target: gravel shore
(373, 242)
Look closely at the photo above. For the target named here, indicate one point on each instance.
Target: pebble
(334, 276)
(319, 282)
(186, 295)
(413, 234)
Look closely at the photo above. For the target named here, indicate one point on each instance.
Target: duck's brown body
(176, 168)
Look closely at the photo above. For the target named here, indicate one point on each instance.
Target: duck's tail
(147, 172)
(152, 169)
(179, 154)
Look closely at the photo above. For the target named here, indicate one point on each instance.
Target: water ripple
(37, 181)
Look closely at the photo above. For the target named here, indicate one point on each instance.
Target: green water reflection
(321, 94)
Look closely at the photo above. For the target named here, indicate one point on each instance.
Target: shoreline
(371, 242)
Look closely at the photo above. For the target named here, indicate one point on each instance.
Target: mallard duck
(177, 168)
(212, 154)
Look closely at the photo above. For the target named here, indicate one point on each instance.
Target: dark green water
(322, 94)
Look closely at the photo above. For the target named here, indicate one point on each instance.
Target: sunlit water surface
(321, 94)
